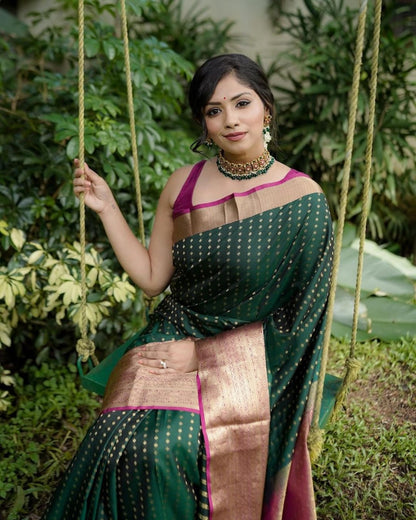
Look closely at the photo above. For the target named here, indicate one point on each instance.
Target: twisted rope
(315, 443)
(353, 365)
(130, 103)
(85, 346)
(148, 302)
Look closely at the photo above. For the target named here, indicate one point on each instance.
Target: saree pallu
(227, 442)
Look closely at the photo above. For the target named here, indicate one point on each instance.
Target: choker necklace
(245, 171)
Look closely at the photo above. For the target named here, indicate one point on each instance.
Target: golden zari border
(235, 417)
(132, 386)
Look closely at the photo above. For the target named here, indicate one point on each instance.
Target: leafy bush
(191, 34)
(40, 294)
(39, 434)
(313, 89)
(39, 100)
(39, 121)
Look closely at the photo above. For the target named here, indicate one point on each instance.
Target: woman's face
(234, 118)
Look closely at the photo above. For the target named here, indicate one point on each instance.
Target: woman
(207, 413)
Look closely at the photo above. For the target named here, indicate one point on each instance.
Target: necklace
(245, 171)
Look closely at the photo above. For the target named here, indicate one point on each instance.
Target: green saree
(227, 442)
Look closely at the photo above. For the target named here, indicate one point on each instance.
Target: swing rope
(352, 365)
(148, 302)
(352, 362)
(85, 346)
(130, 103)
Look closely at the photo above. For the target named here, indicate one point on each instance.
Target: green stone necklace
(245, 171)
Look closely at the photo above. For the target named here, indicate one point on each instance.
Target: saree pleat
(256, 265)
(145, 469)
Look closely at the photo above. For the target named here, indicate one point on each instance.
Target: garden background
(368, 467)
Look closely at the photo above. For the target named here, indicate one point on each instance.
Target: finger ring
(163, 363)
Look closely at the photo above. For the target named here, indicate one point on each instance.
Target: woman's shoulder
(176, 182)
(304, 179)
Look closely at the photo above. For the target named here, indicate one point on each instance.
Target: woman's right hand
(98, 195)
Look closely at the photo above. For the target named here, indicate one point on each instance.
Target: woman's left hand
(167, 357)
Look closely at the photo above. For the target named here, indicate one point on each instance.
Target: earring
(266, 131)
(209, 142)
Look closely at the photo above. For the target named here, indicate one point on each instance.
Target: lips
(236, 136)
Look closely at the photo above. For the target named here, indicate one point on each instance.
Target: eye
(243, 103)
(212, 112)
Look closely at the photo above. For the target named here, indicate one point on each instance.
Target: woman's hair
(211, 72)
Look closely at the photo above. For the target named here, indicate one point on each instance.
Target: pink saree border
(176, 408)
(291, 174)
(207, 445)
(293, 495)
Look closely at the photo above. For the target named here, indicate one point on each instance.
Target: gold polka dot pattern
(149, 463)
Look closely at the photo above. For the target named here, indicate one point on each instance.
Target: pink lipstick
(235, 136)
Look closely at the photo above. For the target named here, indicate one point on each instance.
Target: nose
(231, 119)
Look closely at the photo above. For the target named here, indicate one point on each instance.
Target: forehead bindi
(230, 88)
(218, 100)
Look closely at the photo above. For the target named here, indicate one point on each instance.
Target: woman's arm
(151, 269)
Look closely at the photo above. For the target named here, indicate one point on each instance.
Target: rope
(315, 435)
(148, 302)
(85, 347)
(132, 121)
(353, 365)
(315, 443)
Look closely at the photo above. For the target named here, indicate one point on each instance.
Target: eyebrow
(232, 99)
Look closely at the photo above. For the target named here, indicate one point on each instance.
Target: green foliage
(368, 468)
(39, 434)
(40, 296)
(192, 34)
(313, 86)
(387, 299)
(39, 125)
(39, 109)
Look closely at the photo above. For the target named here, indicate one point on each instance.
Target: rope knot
(149, 302)
(315, 443)
(353, 365)
(85, 348)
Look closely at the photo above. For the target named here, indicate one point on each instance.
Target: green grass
(367, 469)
